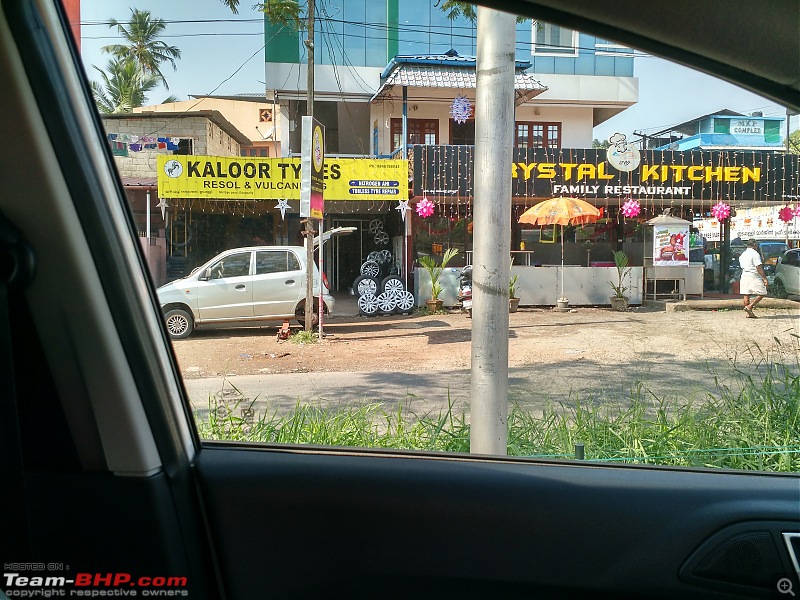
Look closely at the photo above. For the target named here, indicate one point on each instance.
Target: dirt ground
(537, 336)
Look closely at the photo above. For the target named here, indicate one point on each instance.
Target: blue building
(588, 80)
(722, 130)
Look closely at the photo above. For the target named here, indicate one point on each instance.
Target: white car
(787, 274)
(242, 286)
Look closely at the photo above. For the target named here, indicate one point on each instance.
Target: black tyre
(179, 323)
(365, 284)
(368, 304)
(392, 285)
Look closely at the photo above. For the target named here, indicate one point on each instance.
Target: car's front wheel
(300, 315)
(179, 323)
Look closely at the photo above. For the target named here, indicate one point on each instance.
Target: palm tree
(144, 47)
(280, 12)
(124, 86)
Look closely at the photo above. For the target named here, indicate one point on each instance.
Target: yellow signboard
(251, 178)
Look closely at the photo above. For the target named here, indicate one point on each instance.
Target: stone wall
(207, 138)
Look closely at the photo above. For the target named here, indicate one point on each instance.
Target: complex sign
(251, 178)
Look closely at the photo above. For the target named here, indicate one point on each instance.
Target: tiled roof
(139, 181)
(455, 77)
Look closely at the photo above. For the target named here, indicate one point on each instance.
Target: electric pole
(494, 127)
(309, 228)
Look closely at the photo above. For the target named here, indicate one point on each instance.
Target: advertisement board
(252, 178)
(670, 245)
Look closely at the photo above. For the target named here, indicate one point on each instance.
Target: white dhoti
(751, 284)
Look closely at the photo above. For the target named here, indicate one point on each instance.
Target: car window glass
(233, 265)
(276, 261)
(643, 384)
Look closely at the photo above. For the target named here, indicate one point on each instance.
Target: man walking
(754, 281)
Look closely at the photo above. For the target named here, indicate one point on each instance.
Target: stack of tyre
(379, 287)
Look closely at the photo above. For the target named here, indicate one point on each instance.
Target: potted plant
(513, 301)
(619, 301)
(434, 270)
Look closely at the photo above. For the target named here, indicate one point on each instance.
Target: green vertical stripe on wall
(772, 132)
(393, 33)
(282, 43)
(722, 126)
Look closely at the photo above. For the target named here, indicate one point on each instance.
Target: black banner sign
(448, 171)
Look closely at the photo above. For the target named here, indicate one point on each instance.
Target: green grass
(304, 337)
(753, 423)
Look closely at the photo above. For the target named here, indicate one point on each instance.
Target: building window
(553, 39)
(528, 134)
(606, 48)
(420, 131)
(262, 152)
(184, 146)
(462, 134)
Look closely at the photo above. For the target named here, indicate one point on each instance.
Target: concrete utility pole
(309, 232)
(494, 127)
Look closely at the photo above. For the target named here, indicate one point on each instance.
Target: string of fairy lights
(447, 172)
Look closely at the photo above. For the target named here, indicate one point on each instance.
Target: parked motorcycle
(464, 295)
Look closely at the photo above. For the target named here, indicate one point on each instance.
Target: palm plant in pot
(434, 270)
(619, 301)
(513, 301)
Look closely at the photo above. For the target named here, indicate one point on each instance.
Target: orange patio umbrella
(561, 211)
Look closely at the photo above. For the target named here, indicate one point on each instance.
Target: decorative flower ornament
(631, 208)
(786, 214)
(425, 208)
(797, 211)
(461, 109)
(721, 211)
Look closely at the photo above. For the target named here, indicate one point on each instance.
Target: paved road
(430, 391)
(683, 371)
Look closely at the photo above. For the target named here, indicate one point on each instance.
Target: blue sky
(226, 57)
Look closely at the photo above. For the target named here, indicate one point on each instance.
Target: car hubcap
(393, 287)
(177, 325)
(367, 286)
